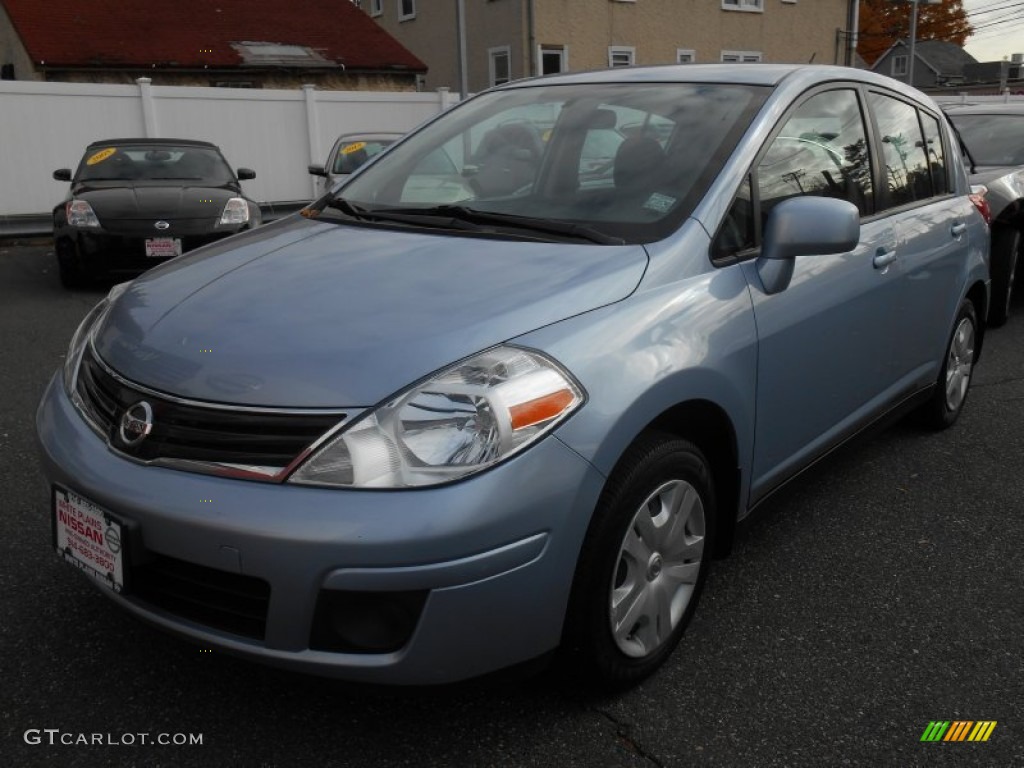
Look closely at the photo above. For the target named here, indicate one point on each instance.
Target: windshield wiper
(347, 208)
(509, 220)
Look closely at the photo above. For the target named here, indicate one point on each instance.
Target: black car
(136, 202)
(993, 135)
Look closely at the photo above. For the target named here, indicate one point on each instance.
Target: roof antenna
(811, 60)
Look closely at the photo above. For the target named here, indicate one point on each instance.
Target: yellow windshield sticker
(99, 157)
(353, 148)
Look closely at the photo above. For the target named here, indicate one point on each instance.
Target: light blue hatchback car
(491, 398)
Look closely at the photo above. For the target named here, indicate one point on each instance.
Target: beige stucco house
(509, 39)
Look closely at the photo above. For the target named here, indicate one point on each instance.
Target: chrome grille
(199, 433)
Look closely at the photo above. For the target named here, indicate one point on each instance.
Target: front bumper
(496, 553)
(100, 251)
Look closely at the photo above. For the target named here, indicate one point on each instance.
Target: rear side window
(822, 150)
(936, 154)
(907, 172)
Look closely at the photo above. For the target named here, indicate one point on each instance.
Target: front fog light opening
(365, 622)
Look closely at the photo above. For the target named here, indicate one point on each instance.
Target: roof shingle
(193, 34)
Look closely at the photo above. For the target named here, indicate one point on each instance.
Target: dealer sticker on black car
(89, 538)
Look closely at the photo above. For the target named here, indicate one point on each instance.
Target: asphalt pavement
(879, 592)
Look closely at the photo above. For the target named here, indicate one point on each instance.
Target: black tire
(952, 386)
(69, 269)
(655, 468)
(1005, 255)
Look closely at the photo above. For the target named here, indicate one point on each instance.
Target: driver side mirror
(317, 170)
(244, 174)
(62, 174)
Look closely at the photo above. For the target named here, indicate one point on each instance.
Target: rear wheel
(1005, 255)
(643, 563)
(954, 382)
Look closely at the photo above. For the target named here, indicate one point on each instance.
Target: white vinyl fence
(277, 133)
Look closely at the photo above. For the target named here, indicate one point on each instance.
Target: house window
(500, 61)
(685, 56)
(744, 57)
(899, 65)
(621, 56)
(406, 10)
(553, 59)
(376, 7)
(755, 6)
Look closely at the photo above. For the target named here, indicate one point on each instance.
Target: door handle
(883, 258)
(958, 229)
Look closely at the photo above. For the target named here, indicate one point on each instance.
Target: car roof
(791, 77)
(1001, 108)
(152, 142)
(743, 74)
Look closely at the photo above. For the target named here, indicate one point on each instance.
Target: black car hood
(154, 201)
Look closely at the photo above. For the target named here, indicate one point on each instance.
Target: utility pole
(913, 42)
(460, 23)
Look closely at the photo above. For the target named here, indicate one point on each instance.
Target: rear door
(931, 228)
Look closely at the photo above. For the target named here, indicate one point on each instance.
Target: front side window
(616, 158)
(822, 150)
(907, 176)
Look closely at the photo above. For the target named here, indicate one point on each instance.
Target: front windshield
(992, 139)
(158, 162)
(627, 160)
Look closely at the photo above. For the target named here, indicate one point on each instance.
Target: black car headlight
(236, 211)
(80, 214)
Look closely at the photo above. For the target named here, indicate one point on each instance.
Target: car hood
(149, 201)
(311, 314)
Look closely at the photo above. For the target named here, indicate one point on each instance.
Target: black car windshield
(626, 160)
(161, 162)
(992, 139)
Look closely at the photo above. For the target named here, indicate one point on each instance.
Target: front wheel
(1005, 255)
(954, 382)
(643, 563)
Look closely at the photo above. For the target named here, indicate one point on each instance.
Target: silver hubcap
(958, 366)
(657, 568)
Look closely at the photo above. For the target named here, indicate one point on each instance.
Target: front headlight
(80, 214)
(462, 420)
(236, 211)
(82, 335)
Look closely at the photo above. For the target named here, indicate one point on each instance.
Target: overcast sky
(999, 28)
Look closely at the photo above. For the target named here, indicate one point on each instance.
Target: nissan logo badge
(136, 423)
(162, 225)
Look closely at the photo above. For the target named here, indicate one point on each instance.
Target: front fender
(693, 340)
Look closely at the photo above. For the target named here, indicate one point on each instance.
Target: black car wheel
(954, 382)
(69, 268)
(1005, 254)
(643, 563)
